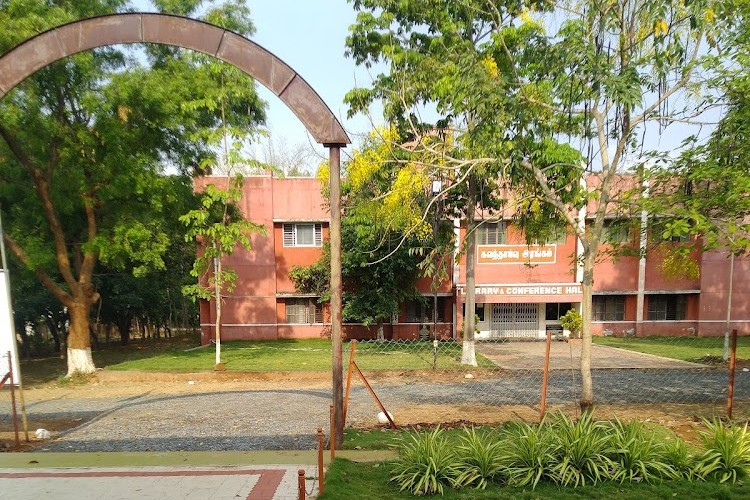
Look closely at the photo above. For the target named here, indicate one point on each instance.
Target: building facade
(521, 290)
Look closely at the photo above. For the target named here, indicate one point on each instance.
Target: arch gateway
(57, 43)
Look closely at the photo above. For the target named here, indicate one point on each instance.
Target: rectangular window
(667, 307)
(554, 311)
(609, 307)
(478, 311)
(491, 233)
(303, 235)
(304, 311)
(616, 231)
(420, 311)
(657, 229)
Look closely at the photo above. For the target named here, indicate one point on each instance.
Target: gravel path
(287, 419)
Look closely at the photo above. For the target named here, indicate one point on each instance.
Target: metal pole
(331, 440)
(545, 377)
(352, 353)
(730, 387)
(336, 292)
(729, 307)
(321, 472)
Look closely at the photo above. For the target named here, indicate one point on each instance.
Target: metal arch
(41, 50)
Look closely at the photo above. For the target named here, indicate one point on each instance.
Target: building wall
(257, 308)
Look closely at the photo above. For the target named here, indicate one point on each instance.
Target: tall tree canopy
(514, 80)
(85, 141)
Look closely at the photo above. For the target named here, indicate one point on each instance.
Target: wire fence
(683, 374)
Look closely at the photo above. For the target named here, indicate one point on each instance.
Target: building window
(657, 234)
(303, 235)
(304, 311)
(667, 307)
(420, 310)
(616, 231)
(491, 233)
(609, 307)
(478, 311)
(554, 311)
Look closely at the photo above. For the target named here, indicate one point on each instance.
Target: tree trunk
(53, 331)
(587, 387)
(79, 346)
(381, 334)
(124, 323)
(218, 284)
(468, 352)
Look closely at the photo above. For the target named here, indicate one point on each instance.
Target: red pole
(13, 400)
(545, 377)
(732, 361)
(321, 472)
(301, 484)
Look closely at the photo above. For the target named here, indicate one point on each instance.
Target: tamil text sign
(516, 254)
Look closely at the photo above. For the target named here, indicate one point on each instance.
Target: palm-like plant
(481, 459)
(727, 455)
(529, 454)
(581, 451)
(426, 464)
(638, 455)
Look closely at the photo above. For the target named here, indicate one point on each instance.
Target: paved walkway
(567, 355)
(31, 476)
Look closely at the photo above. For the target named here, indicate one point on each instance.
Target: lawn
(298, 355)
(346, 480)
(695, 349)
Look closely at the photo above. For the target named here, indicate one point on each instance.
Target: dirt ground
(683, 419)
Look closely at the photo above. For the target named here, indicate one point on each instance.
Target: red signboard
(516, 254)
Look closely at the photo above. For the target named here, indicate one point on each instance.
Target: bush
(529, 454)
(426, 464)
(727, 455)
(638, 454)
(581, 451)
(480, 459)
(572, 321)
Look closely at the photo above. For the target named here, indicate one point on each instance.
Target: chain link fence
(686, 375)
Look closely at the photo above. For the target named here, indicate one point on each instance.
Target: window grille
(303, 235)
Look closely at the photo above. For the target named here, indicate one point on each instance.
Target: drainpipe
(642, 247)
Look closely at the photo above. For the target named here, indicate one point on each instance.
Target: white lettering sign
(516, 290)
(7, 333)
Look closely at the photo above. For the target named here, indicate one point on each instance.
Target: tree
(379, 267)
(83, 141)
(439, 60)
(219, 226)
(594, 75)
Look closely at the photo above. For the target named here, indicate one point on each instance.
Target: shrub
(637, 453)
(572, 321)
(528, 453)
(682, 463)
(727, 455)
(426, 464)
(581, 451)
(481, 459)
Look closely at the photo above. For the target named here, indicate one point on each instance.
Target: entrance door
(514, 321)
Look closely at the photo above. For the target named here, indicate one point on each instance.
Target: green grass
(296, 355)
(695, 349)
(385, 438)
(346, 480)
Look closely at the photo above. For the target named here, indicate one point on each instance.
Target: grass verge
(346, 480)
(694, 349)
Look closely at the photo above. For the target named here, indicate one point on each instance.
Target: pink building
(521, 290)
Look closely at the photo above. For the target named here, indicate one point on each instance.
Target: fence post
(301, 484)
(321, 473)
(352, 353)
(545, 376)
(732, 362)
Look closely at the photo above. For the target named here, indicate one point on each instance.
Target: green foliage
(481, 459)
(220, 227)
(727, 455)
(581, 451)
(529, 454)
(641, 456)
(426, 465)
(572, 321)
